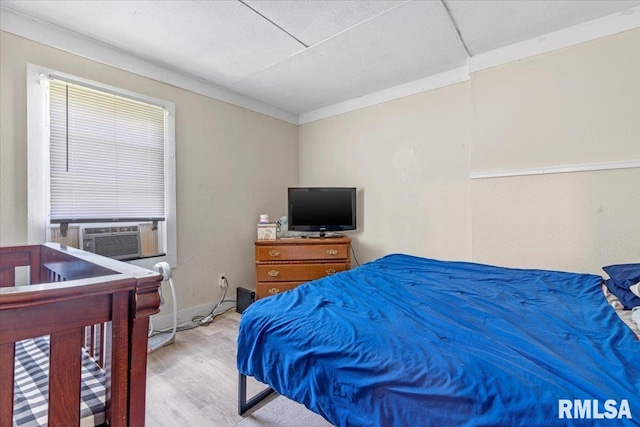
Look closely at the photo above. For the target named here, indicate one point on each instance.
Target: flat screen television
(322, 209)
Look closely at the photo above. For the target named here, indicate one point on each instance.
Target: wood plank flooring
(194, 382)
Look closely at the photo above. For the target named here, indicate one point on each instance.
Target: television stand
(322, 235)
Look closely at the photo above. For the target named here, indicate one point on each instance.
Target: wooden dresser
(285, 263)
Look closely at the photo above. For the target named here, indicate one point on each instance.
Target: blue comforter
(409, 341)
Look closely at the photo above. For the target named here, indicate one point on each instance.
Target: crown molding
(77, 44)
(407, 89)
(625, 20)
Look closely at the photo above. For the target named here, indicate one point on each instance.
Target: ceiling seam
(455, 28)
(276, 25)
(320, 42)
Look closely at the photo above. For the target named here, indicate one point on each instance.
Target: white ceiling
(301, 56)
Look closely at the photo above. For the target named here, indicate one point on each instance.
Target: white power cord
(199, 320)
(164, 269)
(208, 318)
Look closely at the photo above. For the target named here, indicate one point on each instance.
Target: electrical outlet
(222, 280)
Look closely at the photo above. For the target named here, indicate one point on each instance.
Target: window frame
(38, 193)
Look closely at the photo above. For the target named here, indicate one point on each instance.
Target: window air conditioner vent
(113, 242)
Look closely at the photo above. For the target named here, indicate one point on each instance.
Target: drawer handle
(331, 271)
(273, 273)
(274, 291)
(332, 252)
(274, 253)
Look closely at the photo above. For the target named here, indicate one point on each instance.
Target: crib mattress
(31, 386)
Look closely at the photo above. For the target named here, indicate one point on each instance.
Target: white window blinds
(107, 156)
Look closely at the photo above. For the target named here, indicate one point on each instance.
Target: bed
(406, 341)
(73, 337)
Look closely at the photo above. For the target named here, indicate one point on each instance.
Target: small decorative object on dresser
(267, 231)
(286, 263)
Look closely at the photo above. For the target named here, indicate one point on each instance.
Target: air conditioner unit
(114, 242)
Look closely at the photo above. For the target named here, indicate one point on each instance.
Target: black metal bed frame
(243, 404)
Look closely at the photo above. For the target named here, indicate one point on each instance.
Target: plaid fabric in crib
(31, 386)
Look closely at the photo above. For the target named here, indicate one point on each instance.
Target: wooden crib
(90, 308)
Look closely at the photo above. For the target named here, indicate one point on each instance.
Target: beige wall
(414, 156)
(410, 159)
(574, 106)
(232, 164)
(575, 221)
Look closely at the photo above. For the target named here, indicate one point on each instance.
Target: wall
(410, 160)
(578, 105)
(413, 157)
(232, 164)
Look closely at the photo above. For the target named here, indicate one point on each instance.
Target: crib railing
(80, 300)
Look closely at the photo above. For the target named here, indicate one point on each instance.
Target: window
(106, 157)
(100, 158)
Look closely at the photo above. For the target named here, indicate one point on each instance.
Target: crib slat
(7, 352)
(34, 267)
(101, 334)
(119, 384)
(64, 378)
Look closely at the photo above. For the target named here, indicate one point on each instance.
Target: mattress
(412, 341)
(31, 386)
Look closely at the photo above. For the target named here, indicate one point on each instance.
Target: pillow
(624, 274)
(622, 278)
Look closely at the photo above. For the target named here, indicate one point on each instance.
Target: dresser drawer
(296, 272)
(283, 264)
(299, 252)
(265, 289)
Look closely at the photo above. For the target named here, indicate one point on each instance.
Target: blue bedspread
(409, 341)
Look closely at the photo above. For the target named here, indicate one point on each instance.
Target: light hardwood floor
(194, 381)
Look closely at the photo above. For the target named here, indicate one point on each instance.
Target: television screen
(322, 209)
